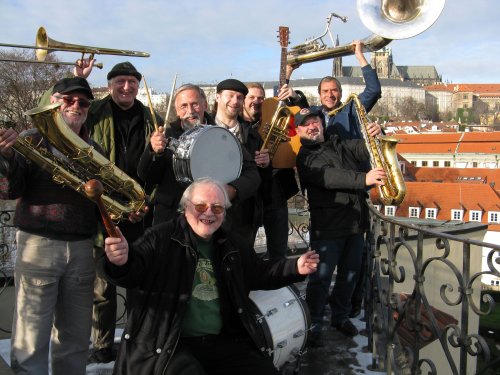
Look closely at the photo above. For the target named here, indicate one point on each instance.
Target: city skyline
(205, 42)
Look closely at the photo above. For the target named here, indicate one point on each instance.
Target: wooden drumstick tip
(93, 189)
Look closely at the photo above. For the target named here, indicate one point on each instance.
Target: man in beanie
(122, 125)
(336, 192)
(54, 272)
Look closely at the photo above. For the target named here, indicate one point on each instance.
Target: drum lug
(298, 334)
(269, 313)
(281, 344)
(289, 303)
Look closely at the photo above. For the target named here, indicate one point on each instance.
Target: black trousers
(219, 355)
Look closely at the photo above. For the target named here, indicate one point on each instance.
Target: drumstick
(170, 101)
(150, 103)
(93, 190)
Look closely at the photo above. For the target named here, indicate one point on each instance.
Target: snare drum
(207, 151)
(285, 319)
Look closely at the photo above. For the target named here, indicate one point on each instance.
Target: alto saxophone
(82, 163)
(382, 152)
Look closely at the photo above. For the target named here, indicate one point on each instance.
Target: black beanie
(124, 69)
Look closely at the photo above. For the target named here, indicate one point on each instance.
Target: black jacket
(162, 263)
(335, 190)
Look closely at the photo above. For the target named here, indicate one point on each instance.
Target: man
(54, 272)
(336, 192)
(156, 163)
(122, 125)
(196, 316)
(245, 216)
(275, 191)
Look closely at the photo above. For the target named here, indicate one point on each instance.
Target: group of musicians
(187, 261)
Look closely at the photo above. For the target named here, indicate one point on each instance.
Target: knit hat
(124, 69)
(232, 84)
(75, 84)
(304, 113)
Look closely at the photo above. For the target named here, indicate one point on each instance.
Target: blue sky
(208, 41)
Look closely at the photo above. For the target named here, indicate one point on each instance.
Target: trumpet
(44, 45)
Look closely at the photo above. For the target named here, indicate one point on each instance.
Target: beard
(189, 122)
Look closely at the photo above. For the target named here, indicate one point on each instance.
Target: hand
(158, 141)
(376, 177)
(7, 139)
(308, 263)
(286, 92)
(374, 129)
(116, 249)
(262, 158)
(135, 217)
(358, 52)
(83, 67)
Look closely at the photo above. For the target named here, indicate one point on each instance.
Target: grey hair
(188, 193)
(190, 86)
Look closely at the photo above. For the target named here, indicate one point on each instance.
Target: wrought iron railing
(7, 259)
(425, 294)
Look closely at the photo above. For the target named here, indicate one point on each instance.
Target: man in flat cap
(56, 229)
(244, 216)
(122, 125)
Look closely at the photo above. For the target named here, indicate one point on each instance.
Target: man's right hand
(116, 249)
(7, 139)
(158, 141)
(83, 68)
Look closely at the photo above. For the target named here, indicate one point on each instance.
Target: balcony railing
(424, 291)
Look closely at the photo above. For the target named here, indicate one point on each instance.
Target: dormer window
(494, 217)
(430, 213)
(414, 212)
(475, 216)
(457, 215)
(390, 210)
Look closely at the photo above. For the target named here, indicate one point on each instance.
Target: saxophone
(382, 152)
(80, 163)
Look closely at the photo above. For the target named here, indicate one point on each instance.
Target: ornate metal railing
(425, 294)
(7, 259)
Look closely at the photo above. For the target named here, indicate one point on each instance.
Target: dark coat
(335, 189)
(162, 263)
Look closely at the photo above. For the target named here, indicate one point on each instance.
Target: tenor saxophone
(382, 152)
(81, 162)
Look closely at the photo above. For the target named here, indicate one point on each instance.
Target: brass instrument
(81, 163)
(382, 152)
(44, 45)
(98, 65)
(387, 19)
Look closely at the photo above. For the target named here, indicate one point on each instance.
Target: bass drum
(285, 319)
(207, 151)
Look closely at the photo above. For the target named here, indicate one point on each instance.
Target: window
(413, 162)
(474, 164)
(378, 207)
(424, 163)
(430, 213)
(447, 163)
(414, 211)
(494, 217)
(435, 163)
(390, 210)
(475, 216)
(457, 214)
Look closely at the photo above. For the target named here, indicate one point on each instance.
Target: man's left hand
(135, 217)
(374, 129)
(262, 158)
(308, 263)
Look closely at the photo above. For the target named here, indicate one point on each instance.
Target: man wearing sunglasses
(54, 272)
(195, 316)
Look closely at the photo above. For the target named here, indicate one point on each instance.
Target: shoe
(347, 328)
(355, 311)
(104, 355)
(315, 340)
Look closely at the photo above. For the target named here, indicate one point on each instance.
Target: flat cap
(75, 84)
(124, 69)
(232, 84)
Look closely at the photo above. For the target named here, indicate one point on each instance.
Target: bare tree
(22, 84)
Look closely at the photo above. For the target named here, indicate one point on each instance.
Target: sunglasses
(83, 103)
(202, 207)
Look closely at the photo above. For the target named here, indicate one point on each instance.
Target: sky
(206, 41)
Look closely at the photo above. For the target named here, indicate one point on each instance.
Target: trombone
(44, 45)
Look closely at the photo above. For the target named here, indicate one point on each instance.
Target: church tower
(337, 63)
(382, 62)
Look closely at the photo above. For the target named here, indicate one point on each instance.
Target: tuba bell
(81, 163)
(387, 20)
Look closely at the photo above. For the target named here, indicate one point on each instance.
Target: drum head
(216, 153)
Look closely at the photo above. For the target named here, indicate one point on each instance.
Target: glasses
(202, 207)
(83, 103)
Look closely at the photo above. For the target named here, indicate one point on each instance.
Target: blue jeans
(53, 305)
(345, 254)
